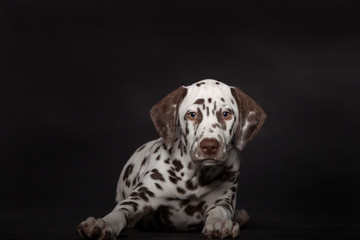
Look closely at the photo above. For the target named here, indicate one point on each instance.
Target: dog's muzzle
(209, 152)
(209, 146)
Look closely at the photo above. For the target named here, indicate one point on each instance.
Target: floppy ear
(164, 115)
(251, 118)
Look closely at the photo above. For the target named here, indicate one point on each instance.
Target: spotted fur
(187, 179)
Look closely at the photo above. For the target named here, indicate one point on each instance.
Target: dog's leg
(125, 215)
(219, 214)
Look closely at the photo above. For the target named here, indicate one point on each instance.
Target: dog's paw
(221, 229)
(93, 228)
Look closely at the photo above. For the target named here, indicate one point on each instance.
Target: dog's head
(211, 117)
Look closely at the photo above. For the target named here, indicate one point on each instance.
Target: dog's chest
(193, 182)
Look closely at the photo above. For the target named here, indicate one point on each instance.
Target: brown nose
(209, 145)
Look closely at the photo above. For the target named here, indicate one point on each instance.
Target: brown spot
(220, 119)
(128, 171)
(200, 117)
(189, 185)
(157, 149)
(127, 183)
(222, 99)
(134, 194)
(167, 161)
(193, 197)
(184, 202)
(185, 151)
(173, 179)
(232, 198)
(185, 141)
(143, 161)
(158, 186)
(171, 172)
(177, 164)
(210, 130)
(209, 100)
(187, 129)
(173, 199)
(207, 111)
(199, 101)
(144, 193)
(190, 166)
(158, 158)
(199, 84)
(217, 83)
(180, 190)
(181, 152)
(143, 196)
(147, 191)
(156, 175)
(233, 189)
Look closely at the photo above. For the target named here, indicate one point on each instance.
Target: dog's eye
(226, 115)
(192, 116)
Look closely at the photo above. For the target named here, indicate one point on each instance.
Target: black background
(78, 79)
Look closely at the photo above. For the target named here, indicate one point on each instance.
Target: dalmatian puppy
(187, 179)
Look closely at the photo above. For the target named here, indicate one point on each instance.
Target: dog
(187, 179)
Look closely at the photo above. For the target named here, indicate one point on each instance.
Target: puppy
(187, 179)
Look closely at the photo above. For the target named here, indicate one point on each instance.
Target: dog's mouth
(208, 162)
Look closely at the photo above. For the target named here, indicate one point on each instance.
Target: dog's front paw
(221, 229)
(95, 229)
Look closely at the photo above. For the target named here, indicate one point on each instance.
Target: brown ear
(251, 118)
(164, 115)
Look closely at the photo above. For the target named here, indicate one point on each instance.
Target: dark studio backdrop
(78, 79)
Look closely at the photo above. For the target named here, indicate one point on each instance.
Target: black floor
(264, 224)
